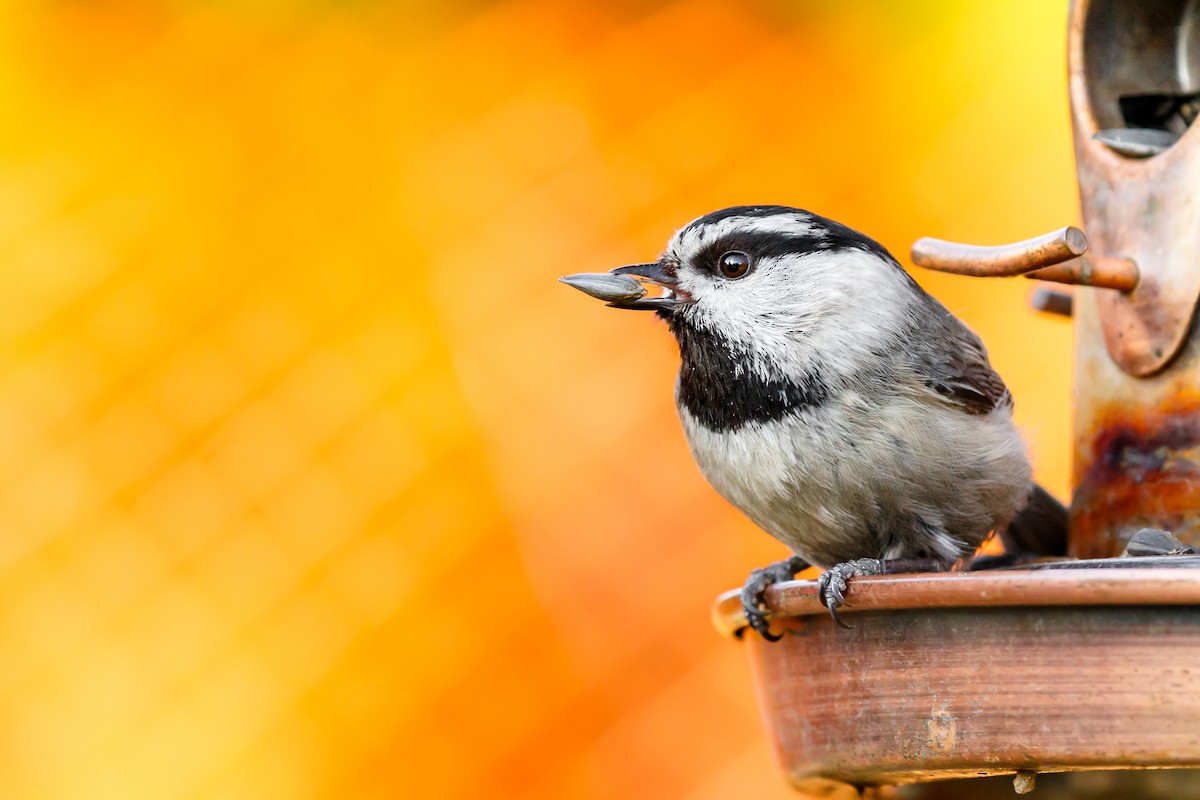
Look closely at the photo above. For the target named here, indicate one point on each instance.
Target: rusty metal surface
(1136, 459)
(913, 695)
(1144, 209)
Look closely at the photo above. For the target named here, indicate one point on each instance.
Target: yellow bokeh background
(316, 484)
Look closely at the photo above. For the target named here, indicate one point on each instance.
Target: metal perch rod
(1055, 256)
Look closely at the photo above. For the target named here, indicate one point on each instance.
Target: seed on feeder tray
(1156, 542)
(607, 287)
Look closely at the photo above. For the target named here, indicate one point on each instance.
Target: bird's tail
(1041, 528)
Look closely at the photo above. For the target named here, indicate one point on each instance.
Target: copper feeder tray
(968, 674)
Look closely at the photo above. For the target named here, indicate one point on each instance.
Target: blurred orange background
(316, 484)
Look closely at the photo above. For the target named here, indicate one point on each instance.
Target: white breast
(847, 480)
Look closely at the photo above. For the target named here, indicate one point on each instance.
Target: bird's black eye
(735, 264)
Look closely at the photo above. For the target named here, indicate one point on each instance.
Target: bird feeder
(1091, 663)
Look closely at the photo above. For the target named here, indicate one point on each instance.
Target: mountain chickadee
(837, 404)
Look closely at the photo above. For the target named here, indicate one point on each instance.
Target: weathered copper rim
(1162, 586)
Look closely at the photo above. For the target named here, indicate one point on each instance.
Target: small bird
(833, 401)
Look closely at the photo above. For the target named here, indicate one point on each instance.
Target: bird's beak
(620, 289)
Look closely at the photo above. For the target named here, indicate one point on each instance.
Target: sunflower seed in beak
(606, 286)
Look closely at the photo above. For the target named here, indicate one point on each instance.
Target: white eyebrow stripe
(691, 235)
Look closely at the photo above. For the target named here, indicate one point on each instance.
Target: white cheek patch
(790, 309)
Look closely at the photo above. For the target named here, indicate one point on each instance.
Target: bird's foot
(831, 586)
(754, 592)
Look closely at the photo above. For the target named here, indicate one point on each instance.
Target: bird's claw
(833, 582)
(755, 588)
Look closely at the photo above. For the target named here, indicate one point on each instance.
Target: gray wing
(950, 359)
